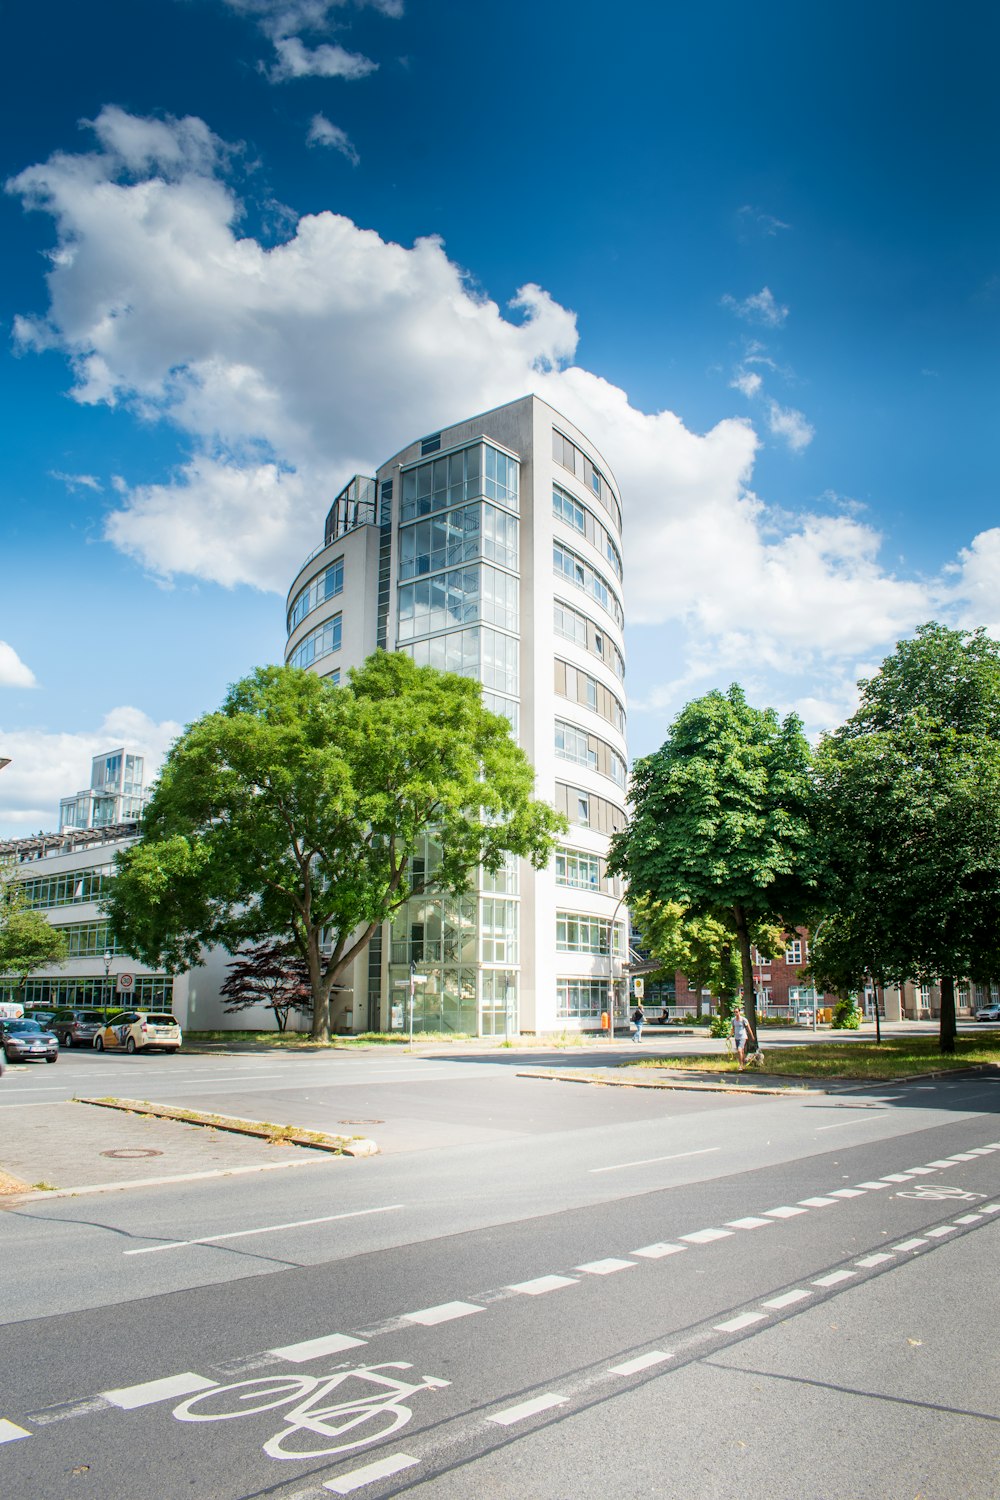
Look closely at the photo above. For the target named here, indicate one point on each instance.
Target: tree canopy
(292, 813)
(723, 822)
(910, 796)
(27, 941)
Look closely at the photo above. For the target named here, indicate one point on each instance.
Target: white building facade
(493, 549)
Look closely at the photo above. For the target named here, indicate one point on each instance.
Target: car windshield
(23, 1026)
(155, 1020)
(90, 1016)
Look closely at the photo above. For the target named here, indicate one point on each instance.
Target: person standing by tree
(741, 1035)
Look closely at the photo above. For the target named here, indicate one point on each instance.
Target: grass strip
(898, 1057)
(292, 1135)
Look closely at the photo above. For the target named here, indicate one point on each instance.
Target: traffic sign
(126, 981)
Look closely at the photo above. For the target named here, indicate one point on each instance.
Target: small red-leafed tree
(271, 977)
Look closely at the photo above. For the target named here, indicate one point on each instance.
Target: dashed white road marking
(383, 1468)
(444, 1313)
(873, 1260)
(872, 1187)
(657, 1252)
(784, 1213)
(10, 1432)
(528, 1409)
(242, 1234)
(963, 1156)
(787, 1298)
(981, 1150)
(130, 1397)
(542, 1284)
(749, 1222)
(968, 1219)
(848, 1193)
(833, 1277)
(651, 1160)
(991, 1208)
(643, 1362)
(941, 1163)
(897, 1176)
(606, 1267)
(919, 1171)
(330, 1343)
(910, 1244)
(734, 1325)
(706, 1236)
(940, 1231)
(817, 1202)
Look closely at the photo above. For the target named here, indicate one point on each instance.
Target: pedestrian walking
(741, 1034)
(638, 1017)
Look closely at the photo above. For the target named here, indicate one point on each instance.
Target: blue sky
(253, 246)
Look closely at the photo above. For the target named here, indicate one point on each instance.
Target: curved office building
(493, 549)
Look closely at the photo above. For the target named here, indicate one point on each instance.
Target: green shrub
(846, 1016)
(721, 1026)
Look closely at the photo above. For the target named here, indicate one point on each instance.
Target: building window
(498, 931)
(581, 999)
(318, 643)
(327, 585)
(430, 445)
(574, 744)
(565, 508)
(568, 564)
(579, 932)
(477, 472)
(581, 871)
(583, 810)
(793, 953)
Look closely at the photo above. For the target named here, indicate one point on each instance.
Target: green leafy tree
(702, 949)
(292, 813)
(723, 822)
(27, 941)
(911, 807)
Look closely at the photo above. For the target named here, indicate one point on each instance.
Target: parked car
(77, 1028)
(139, 1031)
(42, 1014)
(988, 1013)
(25, 1041)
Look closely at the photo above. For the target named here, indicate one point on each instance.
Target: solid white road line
(241, 1234)
(743, 1321)
(657, 1252)
(542, 1284)
(606, 1267)
(817, 1202)
(324, 1160)
(643, 1362)
(873, 1260)
(787, 1298)
(330, 1343)
(383, 1468)
(833, 1277)
(909, 1244)
(10, 1432)
(706, 1236)
(528, 1409)
(786, 1212)
(859, 1120)
(444, 1313)
(129, 1397)
(749, 1222)
(651, 1160)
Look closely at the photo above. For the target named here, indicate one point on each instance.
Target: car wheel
(98, 1044)
(172, 1051)
(130, 1045)
(68, 1040)
(52, 1059)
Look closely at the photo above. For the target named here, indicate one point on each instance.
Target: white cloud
(328, 60)
(77, 481)
(977, 585)
(747, 381)
(756, 221)
(787, 423)
(13, 672)
(292, 367)
(761, 307)
(45, 766)
(323, 133)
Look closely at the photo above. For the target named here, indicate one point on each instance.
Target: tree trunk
(878, 1023)
(949, 1027)
(320, 1000)
(746, 965)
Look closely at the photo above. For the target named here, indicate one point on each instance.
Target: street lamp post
(611, 968)
(107, 969)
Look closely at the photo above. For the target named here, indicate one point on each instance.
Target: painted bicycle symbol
(313, 1417)
(939, 1193)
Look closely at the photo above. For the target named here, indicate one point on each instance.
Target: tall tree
(294, 810)
(910, 789)
(27, 941)
(723, 822)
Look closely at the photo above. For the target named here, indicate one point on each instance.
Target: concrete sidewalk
(76, 1147)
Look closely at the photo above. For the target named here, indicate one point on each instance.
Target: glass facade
(582, 999)
(570, 565)
(317, 591)
(581, 871)
(580, 932)
(474, 472)
(458, 597)
(318, 643)
(70, 888)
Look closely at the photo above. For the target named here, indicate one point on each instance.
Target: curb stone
(316, 1140)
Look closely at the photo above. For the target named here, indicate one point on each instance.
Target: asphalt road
(658, 1293)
